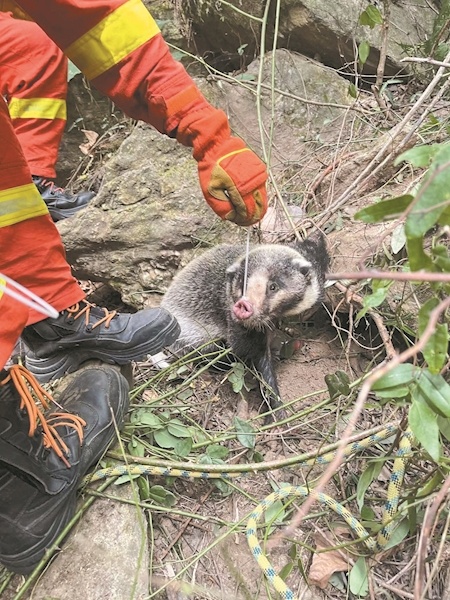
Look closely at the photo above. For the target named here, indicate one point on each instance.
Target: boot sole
(25, 562)
(67, 361)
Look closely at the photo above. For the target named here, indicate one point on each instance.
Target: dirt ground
(213, 555)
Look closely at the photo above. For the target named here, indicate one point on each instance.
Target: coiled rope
(390, 508)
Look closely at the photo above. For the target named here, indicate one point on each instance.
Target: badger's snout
(243, 309)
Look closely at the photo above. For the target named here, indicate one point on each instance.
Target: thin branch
(428, 61)
(430, 516)
(420, 276)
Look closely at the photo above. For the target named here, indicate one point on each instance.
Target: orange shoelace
(28, 388)
(76, 312)
(52, 185)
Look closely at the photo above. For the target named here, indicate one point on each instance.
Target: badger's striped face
(280, 283)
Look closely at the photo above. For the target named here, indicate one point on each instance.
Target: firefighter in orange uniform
(33, 80)
(44, 454)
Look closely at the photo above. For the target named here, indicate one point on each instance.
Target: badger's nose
(243, 309)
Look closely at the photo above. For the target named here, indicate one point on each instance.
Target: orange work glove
(233, 181)
(232, 178)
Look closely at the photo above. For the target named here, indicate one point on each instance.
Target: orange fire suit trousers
(31, 251)
(33, 80)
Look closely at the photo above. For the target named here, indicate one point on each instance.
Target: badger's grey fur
(208, 299)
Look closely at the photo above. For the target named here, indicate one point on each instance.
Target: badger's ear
(314, 249)
(302, 265)
(234, 268)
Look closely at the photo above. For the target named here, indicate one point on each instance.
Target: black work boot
(45, 457)
(84, 331)
(61, 203)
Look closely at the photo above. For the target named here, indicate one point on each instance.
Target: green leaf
(371, 17)
(183, 447)
(144, 488)
(162, 496)
(164, 439)
(352, 90)
(367, 514)
(419, 156)
(418, 259)
(185, 394)
(147, 418)
(384, 210)
(374, 14)
(393, 393)
(275, 513)
(435, 391)
(286, 571)
(363, 51)
(380, 289)
(358, 578)
(433, 484)
(337, 581)
(237, 377)
(178, 429)
(402, 375)
(444, 427)
(125, 479)
(398, 238)
(440, 257)
(370, 473)
(423, 423)
(444, 219)
(338, 384)
(432, 196)
(398, 534)
(245, 77)
(136, 448)
(435, 350)
(245, 433)
(217, 451)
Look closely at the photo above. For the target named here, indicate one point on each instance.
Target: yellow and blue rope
(390, 509)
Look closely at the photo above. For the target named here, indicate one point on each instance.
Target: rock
(312, 27)
(146, 220)
(285, 118)
(106, 556)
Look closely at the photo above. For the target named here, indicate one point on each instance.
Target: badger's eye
(273, 287)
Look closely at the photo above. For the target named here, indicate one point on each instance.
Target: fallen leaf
(324, 564)
(92, 137)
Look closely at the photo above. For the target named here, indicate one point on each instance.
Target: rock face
(328, 30)
(150, 216)
(309, 98)
(105, 558)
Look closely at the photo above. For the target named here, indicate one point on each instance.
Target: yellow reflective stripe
(20, 203)
(114, 38)
(232, 154)
(2, 286)
(37, 108)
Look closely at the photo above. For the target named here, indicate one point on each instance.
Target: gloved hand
(232, 177)
(233, 181)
